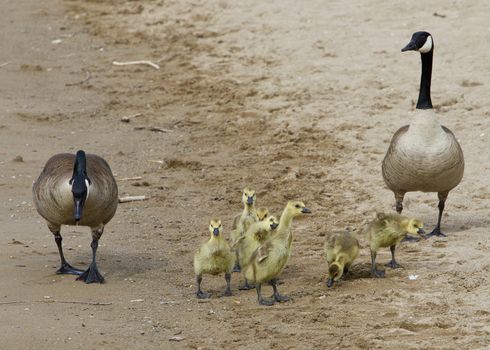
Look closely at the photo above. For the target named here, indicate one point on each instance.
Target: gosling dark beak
(305, 210)
(250, 200)
(274, 225)
(421, 233)
(411, 46)
(216, 231)
(78, 210)
(330, 282)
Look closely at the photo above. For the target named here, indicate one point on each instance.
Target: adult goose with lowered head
(76, 190)
(423, 156)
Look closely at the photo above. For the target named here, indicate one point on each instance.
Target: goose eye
(297, 206)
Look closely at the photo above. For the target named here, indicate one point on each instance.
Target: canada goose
(214, 257)
(423, 156)
(76, 190)
(262, 213)
(268, 260)
(341, 249)
(387, 230)
(242, 221)
(256, 234)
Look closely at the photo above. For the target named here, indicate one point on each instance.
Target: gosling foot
(246, 286)
(237, 268)
(227, 293)
(393, 264)
(280, 298)
(266, 301)
(377, 273)
(66, 268)
(202, 295)
(91, 275)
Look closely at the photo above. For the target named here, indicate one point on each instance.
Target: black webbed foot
(393, 264)
(202, 295)
(237, 268)
(266, 301)
(66, 268)
(246, 286)
(378, 274)
(436, 232)
(227, 293)
(91, 275)
(280, 298)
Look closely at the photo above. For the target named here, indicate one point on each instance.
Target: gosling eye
(298, 206)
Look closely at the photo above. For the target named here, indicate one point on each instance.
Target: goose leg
(92, 274)
(399, 201)
(393, 264)
(277, 297)
(227, 292)
(262, 301)
(65, 268)
(200, 294)
(374, 272)
(442, 201)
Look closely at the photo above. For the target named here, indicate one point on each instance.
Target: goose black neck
(80, 167)
(424, 101)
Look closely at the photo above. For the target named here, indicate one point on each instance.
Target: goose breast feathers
(54, 200)
(423, 156)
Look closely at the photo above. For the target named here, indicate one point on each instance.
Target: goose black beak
(274, 225)
(216, 231)
(305, 210)
(250, 200)
(330, 282)
(421, 231)
(411, 46)
(78, 210)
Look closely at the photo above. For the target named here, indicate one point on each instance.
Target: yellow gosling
(387, 230)
(214, 257)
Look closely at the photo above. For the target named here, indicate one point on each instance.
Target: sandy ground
(296, 99)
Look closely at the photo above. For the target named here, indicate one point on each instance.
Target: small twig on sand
(76, 302)
(132, 199)
(134, 178)
(88, 75)
(149, 63)
(54, 301)
(156, 161)
(151, 128)
(127, 118)
(4, 64)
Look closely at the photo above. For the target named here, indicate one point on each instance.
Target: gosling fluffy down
(387, 230)
(268, 261)
(214, 257)
(256, 234)
(242, 222)
(341, 249)
(262, 213)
